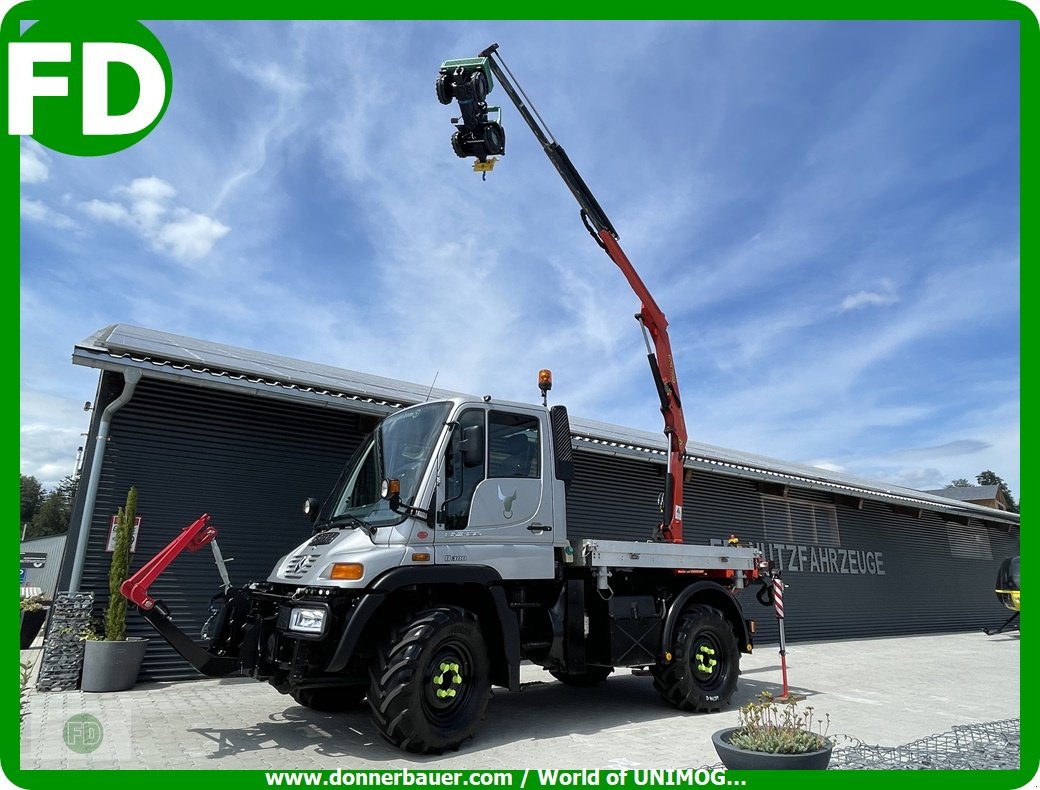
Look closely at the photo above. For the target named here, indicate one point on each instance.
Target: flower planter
(31, 623)
(112, 666)
(737, 759)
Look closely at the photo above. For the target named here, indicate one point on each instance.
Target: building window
(786, 520)
(969, 542)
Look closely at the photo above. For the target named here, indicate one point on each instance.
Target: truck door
(498, 513)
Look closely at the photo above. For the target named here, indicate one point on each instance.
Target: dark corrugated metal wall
(247, 461)
(938, 576)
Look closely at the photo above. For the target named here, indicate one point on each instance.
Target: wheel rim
(707, 660)
(449, 681)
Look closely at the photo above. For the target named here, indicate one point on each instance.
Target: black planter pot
(737, 759)
(31, 623)
(112, 666)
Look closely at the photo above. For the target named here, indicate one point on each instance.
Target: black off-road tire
(444, 91)
(592, 676)
(430, 682)
(478, 81)
(690, 681)
(494, 138)
(335, 699)
(457, 145)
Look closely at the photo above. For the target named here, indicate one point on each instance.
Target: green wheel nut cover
(456, 679)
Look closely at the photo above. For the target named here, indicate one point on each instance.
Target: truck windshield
(399, 448)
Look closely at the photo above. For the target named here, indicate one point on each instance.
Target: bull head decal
(507, 502)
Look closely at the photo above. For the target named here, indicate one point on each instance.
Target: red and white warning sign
(778, 598)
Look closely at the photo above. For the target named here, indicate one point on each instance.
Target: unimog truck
(441, 559)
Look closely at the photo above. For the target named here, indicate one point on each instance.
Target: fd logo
(87, 87)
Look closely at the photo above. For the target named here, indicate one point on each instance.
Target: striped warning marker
(778, 598)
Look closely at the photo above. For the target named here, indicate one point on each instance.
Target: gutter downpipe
(130, 378)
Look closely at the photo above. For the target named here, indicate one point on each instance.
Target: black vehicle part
(430, 681)
(494, 138)
(479, 85)
(707, 593)
(458, 146)
(562, 447)
(330, 699)
(444, 92)
(196, 655)
(702, 673)
(635, 630)
(228, 610)
(501, 625)
(592, 676)
(488, 139)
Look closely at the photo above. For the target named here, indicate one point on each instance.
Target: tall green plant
(115, 615)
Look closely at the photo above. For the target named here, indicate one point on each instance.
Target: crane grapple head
(478, 128)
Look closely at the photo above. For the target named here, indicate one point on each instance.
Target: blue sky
(827, 212)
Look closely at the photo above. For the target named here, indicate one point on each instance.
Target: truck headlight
(307, 620)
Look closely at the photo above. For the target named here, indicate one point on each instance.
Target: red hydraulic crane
(480, 135)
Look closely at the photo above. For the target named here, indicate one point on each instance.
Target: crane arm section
(650, 316)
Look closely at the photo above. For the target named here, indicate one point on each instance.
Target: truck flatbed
(635, 554)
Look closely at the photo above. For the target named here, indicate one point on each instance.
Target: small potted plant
(33, 613)
(774, 734)
(112, 663)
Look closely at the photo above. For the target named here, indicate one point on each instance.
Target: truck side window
(459, 480)
(513, 447)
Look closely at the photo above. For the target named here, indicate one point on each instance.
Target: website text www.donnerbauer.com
(524, 780)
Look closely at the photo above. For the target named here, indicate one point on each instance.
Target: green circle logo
(88, 87)
(83, 733)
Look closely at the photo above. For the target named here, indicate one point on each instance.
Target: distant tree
(989, 478)
(960, 482)
(54, 514)
(32, 498)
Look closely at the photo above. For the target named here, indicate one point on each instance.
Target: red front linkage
(193, 537)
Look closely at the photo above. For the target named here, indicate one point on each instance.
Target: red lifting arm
(650, 316)
(653, 321)
(192, 538)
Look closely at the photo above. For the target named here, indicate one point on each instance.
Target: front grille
(297, 566)
(324, 538)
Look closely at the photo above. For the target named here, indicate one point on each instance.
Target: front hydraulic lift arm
(135, 589)
(651, 318)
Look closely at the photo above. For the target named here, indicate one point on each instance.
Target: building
(986, 496)
(40, 563)
(245, 436)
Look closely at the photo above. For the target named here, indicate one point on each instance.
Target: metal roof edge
(589, 435)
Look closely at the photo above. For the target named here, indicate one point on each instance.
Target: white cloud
(189, 236)
(105, 211)
(51, 432)
(148, 209)
(867, 299)
(37, 211)
(32, 162)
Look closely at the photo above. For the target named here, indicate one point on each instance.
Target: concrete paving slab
(881, 691)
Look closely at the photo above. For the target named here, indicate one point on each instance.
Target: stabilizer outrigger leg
(1011, 624)
(135, 589)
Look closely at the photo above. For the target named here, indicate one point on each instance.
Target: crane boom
(650, 316)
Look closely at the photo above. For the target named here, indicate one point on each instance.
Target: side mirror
(472, 446)
(311, 506)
